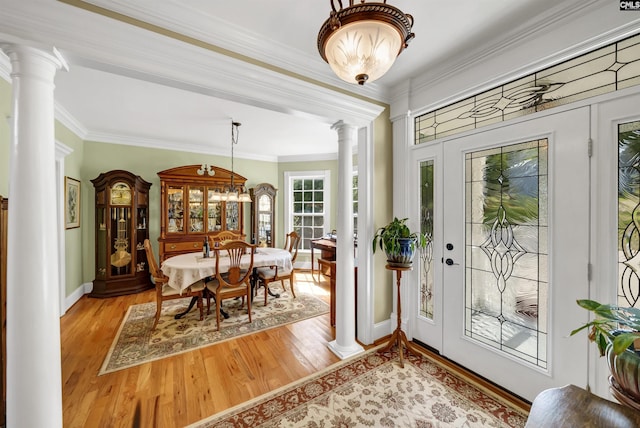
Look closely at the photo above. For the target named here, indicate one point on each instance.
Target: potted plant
(398, 242)
(616, 332)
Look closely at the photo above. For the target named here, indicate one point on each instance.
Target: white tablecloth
(185, 269)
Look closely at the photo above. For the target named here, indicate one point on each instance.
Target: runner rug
(374, 391)
(135, 343)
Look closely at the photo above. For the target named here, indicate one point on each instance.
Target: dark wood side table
(571, 406)
(327, 249)
(398, 337)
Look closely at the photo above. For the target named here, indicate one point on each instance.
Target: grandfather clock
(121, 226)
(263, 214)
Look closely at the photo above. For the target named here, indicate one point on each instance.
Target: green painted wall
(74, 250)
(146, 162)
(382, 212)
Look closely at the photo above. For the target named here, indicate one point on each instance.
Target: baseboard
(71, 299)
(381, 329)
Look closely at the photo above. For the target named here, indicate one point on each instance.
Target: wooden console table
(398, 337)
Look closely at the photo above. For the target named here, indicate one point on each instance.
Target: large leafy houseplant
(615, 330)
(398, 241)
(617, 325)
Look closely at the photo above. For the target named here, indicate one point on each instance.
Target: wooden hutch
(190, 211)
(121, 226)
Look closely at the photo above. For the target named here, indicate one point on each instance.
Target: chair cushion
(196, 287)
(269, 273)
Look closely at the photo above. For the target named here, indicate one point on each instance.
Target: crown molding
(181, 146)
(554, 18)
(181, 18)
(108, 47)
(309, 158)
(564, 18)
(68, 120)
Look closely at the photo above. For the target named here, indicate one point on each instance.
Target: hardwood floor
(183, 389)
(179, 390)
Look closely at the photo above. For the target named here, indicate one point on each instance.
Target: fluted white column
(345, 344)
(34, 388)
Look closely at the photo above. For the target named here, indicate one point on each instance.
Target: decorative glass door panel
(628, 292)
(426, 228)
(506, 269)
(175, 216)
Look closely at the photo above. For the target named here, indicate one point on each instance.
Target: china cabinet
(121, 226)
(191, 207)
(263, 216)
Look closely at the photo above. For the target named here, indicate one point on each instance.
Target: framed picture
(71, 203)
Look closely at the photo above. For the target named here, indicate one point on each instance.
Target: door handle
(450, 262)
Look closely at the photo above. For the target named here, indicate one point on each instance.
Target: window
(307, 204)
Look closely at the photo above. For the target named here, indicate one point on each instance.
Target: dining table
(186, 269)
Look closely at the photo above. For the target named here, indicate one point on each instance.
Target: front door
(511, 251)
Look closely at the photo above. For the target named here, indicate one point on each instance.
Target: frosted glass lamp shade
(361, 42)
(362, 51)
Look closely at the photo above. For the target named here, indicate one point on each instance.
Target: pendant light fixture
(361, 42)
(231, 193)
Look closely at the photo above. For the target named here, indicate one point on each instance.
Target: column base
(344, 352)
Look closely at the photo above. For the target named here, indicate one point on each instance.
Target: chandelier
(231, 193)
(361, 42)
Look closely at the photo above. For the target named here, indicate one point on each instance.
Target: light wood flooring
(183, 389)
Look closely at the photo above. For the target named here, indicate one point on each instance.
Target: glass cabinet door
(263, 214)
(101, 243)
(120, 218)
(265, 218)
(196, 209)
(175, 198)
(214, 212)
(232, 216)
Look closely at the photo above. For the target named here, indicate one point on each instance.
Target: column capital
(346, 132)
(20, 54)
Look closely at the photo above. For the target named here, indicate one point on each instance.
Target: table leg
(186, 311)
(191, 304)
(255, 279)
(312, 265)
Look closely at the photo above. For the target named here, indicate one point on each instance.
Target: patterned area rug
(374, 391)
(135, 343)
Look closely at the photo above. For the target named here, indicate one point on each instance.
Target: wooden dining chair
(164, 291)
(236, 282)
(269, 274)
(224, 236)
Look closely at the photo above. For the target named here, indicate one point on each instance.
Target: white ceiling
(115, 103)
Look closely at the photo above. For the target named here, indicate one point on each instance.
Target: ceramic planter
(625, 377)
(404, 256)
